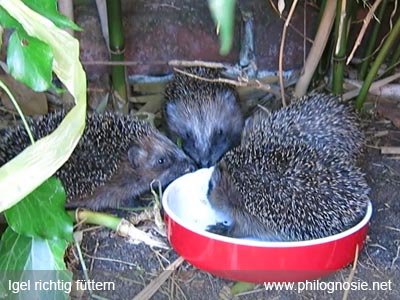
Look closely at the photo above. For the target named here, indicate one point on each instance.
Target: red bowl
(249, 260)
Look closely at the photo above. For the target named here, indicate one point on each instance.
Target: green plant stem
(21, 114)
(377, 63)
(344, 12)
(372, 41)
(96, 218)
(117, 49)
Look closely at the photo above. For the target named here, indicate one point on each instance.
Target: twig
(351, 274)
(150, 289)
(366, 22)
(396, 257)
(375, 85)
(123, 63)
(302, 34)
(377, 246)
(390, 150)
(251, 83)
(284, 32)
(393, 228)
(78, 238)
(196, 63)
(111, 260)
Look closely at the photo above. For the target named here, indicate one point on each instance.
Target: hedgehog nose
(205, 163)
(191, 168)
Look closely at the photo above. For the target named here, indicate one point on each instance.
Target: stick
(153, 286)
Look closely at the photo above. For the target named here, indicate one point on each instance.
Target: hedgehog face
(158, 158)
(208, 126)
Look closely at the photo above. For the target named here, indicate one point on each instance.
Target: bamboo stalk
(372, 41)
(117, 49)
(317, 49)
(326, 57)
(340, 46)
(377, 63)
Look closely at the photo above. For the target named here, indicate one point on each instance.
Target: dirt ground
(133, 267)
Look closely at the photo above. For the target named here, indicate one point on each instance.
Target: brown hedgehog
(279, 190)
(115, 160)
(319, 120)
(205, 115)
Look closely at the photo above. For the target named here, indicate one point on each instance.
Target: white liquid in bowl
(189, 200)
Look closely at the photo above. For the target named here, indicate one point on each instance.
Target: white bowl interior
(185, 201)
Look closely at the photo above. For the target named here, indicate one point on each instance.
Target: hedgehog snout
(206, 162)
(191, 168)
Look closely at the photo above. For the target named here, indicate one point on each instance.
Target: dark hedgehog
(205, 115)
(116, 159)
(280, 191)
(319, 120)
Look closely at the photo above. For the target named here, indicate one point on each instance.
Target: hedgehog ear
(135, 155)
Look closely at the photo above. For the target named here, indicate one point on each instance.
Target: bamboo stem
(372, 41)
(343, 18)
(317, 49)
(340, 47)
(377, 63)
(117, 50)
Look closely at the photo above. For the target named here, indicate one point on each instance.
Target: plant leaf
(30, 168)
(8, 21)
(30, 60)
(36, 259)
(42, 213)
(223, 13)
(48, 8)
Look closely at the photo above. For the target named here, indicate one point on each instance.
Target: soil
(132, 267)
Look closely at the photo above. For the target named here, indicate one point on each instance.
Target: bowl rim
(255, 243)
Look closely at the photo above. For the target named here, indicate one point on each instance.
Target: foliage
(30, 59)
(223, 13)
(39, 228)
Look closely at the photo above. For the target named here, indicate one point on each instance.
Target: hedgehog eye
(161, 161)
(220, 132)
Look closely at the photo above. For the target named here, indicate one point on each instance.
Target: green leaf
(7, 21)
(223, 13)
(242, 287)
(42, 213)
(48, 8)
(31, 260)
(30, 168)
(30, 60)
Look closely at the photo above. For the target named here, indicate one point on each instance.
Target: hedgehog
(205, 115)
(276, 190)
(319, 120)
(116, 159)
